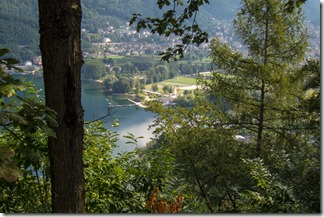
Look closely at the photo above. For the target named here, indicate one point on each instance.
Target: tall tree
(259, 86)
(60, 45)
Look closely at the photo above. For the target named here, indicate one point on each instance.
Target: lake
(133, 119)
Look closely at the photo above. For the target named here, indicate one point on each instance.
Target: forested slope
(19, 18)
(19, 27)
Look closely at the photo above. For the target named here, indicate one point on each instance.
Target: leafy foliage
(171, 24)
(291, 5)
(93, 69)
(19, 115)
(8, 170)
(121, 184)
(27, 140)
(23, 161)
(269, 195)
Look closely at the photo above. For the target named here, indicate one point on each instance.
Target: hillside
(19, 27)
(19, 19)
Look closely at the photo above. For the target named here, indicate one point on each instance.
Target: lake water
(133, 119)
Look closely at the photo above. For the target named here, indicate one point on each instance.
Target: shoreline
(128, 96)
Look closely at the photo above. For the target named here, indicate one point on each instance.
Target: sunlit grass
(179, 81)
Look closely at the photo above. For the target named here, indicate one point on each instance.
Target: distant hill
(19, 18)
(19, 27)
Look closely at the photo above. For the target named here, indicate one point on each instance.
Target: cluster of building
(133, 43)
(138, 43)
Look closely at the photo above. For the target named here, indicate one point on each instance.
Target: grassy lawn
(179, 81)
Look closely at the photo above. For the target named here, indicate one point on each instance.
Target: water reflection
(133, 119)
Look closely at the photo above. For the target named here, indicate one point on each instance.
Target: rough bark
(60, 44)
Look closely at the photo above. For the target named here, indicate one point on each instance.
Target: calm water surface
(133, 119)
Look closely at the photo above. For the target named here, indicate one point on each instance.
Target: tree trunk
(60, 44)
(262, 96)
(261, 121)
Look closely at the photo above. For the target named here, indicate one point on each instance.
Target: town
(126, 41)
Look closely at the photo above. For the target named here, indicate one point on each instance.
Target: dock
(139, 104)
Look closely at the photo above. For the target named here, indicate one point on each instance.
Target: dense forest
(248, 143)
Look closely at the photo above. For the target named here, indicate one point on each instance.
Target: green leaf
(4, 51)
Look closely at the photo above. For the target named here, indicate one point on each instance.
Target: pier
(139, 104)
